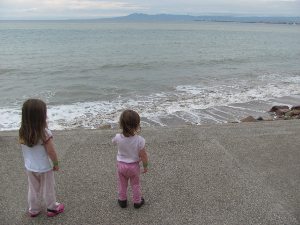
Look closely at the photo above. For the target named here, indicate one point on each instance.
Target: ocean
(171, 73)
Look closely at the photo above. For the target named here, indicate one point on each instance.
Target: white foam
(10, 119)
(186, 103)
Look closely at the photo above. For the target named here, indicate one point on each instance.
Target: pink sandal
(34, 214)
(53, 212)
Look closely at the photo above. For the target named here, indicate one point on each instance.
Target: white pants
(41, 184)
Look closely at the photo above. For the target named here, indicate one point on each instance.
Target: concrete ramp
(219, 174)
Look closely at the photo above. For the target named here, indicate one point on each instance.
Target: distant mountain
(140, 17)
(157, 17)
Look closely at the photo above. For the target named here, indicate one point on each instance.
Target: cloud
(279, 1)
(88, 4)
(69, 4)
(66, 4)
(67, 9)
(64, 8)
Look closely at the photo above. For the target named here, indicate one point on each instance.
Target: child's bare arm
(49, 146)
(144, 158)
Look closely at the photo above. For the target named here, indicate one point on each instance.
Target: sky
(89, 9)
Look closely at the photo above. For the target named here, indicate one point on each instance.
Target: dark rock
(278, 107)
(106, 126)
(296, 107)
(296, 112)
(249, 119)
(293, 113)
(281, 112)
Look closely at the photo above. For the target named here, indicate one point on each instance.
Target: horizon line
(145, 14)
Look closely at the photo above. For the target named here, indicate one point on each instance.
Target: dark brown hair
(33, 124)
(129, 122)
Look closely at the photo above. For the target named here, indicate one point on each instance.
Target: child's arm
(49, 146)
(114, 140)
(144, 158)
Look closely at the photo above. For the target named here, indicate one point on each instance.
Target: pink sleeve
(48, 135)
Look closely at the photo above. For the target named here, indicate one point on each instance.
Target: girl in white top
(37, 147)
(131, 150)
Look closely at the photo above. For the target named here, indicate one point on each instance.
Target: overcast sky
(71, 9)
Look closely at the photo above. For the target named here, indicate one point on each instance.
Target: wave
(137, 65)
(189, 103)
(6, 71)
(166, 63)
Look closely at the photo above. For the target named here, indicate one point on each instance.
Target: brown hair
(33, 124)
(129, 122)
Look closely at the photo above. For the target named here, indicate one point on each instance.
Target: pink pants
(41, 184)
(129, 171)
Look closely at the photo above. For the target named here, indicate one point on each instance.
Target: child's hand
(145, 170)
(144, 158)
(55, 168)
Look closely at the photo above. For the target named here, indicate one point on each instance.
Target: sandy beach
(245, 173)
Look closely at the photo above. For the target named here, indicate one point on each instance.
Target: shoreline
(62, 119)
(149, 128)
(168, 18)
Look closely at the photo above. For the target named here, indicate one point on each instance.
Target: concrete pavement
(239, 174)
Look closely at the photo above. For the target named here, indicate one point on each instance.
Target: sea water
(171, 73)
